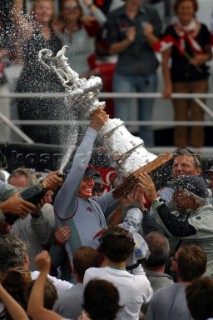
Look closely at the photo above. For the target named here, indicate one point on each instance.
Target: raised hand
(99, 118)
(52, 181)
(43, 261)
(147, 185)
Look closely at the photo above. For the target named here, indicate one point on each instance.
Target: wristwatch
(158, 202)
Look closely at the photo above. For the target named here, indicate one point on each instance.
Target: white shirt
(134, 289)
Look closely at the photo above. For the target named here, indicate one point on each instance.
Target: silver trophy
(127, 151)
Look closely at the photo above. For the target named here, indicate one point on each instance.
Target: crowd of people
(115, 40)
(70, 248)
(74, 254)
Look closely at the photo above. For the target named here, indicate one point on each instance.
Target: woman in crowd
(38, 34)
(78, 32)
(188, 74)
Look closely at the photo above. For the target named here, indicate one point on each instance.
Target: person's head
(13, 253)
(191, 262)
(50, 293)
(43, 11)
(71, 10)
(15, 282)
(185, 10)
(186, 162)
(22, 177)
(116, 244)
(199, 297)
(134, 2)
(84, 258)
(159, 250)
(87, 184)
(101, 300)
(190, 192)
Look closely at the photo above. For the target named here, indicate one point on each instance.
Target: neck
(71, 25)
(109, 263)
(155, 269)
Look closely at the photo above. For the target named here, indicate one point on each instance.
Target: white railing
(197, 97)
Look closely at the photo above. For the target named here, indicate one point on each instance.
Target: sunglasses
(186, 151)
(98, 188)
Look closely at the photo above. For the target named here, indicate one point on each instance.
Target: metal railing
(12, 124)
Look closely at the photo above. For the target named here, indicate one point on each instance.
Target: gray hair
(12, 252)
(27, 173)
(159, 249)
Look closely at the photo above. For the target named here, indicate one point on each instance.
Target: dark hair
(178, 2)
(191, 261)
(101, 300)
(199, 296)
(50, 293)
(116, 244)
(159, 249)
(84, 258)
(190, 153)
(15, 281)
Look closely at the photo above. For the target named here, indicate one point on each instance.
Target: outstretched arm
(35, 306)
(13, 307)
(65, 201)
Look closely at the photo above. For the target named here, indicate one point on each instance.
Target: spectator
(22, 178)
(83, 259)
(101, 306)
(189, 72)
(15, 281)
(191, 221)
(199, 296)
(36, 229)
(11, 203)
(170, 302)
(116, 245)
(14, 253)
(79, 34)
(154, 264)
(135, 70)
(106, 302)
(38, 34)
(4, 61)
(15, 310)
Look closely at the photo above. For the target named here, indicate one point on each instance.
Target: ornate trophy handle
(130, 182)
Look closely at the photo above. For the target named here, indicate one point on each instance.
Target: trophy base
(152, 167)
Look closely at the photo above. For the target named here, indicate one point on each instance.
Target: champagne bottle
(33, 195)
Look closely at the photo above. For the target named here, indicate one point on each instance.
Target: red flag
(163, 44)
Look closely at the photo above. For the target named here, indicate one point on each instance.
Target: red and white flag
(164, 43)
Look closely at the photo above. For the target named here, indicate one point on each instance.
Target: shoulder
(116, 12)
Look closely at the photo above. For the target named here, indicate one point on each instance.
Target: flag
(163, 44)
